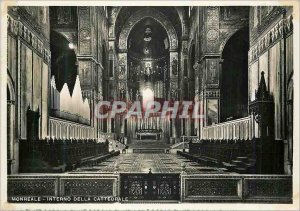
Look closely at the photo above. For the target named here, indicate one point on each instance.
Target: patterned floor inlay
(142, 163)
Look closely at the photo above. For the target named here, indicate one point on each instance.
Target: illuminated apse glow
(148, 96)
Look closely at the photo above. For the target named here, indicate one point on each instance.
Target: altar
(148, 134)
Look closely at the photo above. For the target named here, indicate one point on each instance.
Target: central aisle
(148, 143)
(141, 163)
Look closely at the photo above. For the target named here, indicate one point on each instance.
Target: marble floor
(141, 163)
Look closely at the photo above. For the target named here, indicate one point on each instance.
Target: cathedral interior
(236, 62)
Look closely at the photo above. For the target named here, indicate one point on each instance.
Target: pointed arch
(11, 121)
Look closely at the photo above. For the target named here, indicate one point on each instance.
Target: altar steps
(149, 150)
(148, 146)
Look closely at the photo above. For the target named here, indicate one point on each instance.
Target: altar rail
(231, 188)
(238, 129)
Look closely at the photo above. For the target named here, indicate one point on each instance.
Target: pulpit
(268, 150)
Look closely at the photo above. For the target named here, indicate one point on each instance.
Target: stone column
(86, 51)
(173, 91)
(210, 65)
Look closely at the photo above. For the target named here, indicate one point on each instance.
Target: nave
(74, 73)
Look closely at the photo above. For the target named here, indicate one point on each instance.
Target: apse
(148, 57)
(148, 40)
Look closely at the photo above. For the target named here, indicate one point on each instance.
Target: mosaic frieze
(17, 28)
(282, 27)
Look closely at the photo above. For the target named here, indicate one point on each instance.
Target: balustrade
(189, 138)
(62, 129)
(239, 129)
(188, 187)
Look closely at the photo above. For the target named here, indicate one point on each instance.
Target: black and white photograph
(139, 105)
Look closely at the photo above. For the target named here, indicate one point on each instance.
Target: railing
(107, 135)
(189, 138)
(158, 186)
(238, 129)
(184, 141)
(116, 145)
(230, 188)
(236, 188)
(67, 188)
